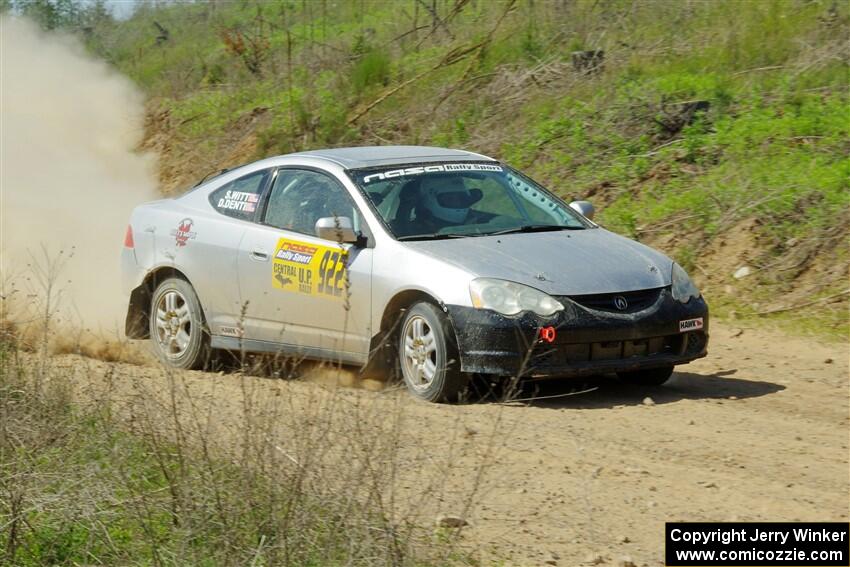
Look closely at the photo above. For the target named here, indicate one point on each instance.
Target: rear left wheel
(177, 327)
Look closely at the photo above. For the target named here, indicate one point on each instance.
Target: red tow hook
(547, 334)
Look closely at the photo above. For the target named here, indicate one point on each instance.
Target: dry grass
(123, 464)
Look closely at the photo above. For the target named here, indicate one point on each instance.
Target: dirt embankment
(757, 431)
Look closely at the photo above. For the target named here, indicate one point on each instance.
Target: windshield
(462, 199)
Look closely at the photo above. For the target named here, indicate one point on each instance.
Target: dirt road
(756, 431)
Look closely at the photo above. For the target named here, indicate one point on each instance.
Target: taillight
(128, 237)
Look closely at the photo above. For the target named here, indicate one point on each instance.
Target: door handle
(259, 255)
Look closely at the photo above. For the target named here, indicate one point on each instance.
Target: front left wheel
(428, 355)
(177, 327)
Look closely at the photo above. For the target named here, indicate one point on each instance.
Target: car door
(305, 291)
(205, 246)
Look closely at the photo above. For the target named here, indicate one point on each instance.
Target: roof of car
(375, 156)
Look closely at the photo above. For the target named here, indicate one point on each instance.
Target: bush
(373, 68)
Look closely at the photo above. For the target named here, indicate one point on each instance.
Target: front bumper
(587, 341)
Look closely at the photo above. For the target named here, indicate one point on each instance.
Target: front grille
(566, 354)
(696, 343)
(636, 300)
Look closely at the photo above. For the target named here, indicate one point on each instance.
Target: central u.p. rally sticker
(309, 269)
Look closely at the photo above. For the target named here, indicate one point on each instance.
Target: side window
(300, 197)
(239, 198)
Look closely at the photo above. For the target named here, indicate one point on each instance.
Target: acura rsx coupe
(437, 264)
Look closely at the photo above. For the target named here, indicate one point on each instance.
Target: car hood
(573, 262)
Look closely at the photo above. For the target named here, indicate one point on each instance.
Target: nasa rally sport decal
(418, 170)
(310, 269)
(690, 325)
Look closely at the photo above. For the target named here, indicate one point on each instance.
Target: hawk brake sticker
(430, 169)
(310, 269)
(690, 325)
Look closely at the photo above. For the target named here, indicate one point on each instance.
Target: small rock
(551, 562)
(733, 397)
(828, 361)
(647, 401)
(742, 272)
(626, 561)
(625, 539)
(448, 521)
(692, 422)
(595, 559)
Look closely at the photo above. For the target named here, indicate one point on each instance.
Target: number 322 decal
(311, 269)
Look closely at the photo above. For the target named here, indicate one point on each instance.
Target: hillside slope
(717, 131)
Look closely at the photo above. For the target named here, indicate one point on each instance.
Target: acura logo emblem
(621, 303)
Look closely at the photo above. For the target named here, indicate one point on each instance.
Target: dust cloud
(69, 174)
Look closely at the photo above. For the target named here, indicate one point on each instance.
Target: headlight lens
(683, 288)
(509, 298)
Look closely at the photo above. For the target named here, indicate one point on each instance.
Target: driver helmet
(447, 198)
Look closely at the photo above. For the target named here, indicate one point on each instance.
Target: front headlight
(683, 288)
(509, 298)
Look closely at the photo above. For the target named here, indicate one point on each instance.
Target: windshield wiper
(432, 236)
(535, 228)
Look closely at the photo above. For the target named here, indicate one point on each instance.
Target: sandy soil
(757, 431)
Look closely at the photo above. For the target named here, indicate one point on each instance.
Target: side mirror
(338, 229)
(584, 207)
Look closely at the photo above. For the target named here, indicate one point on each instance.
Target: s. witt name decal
(239, 201)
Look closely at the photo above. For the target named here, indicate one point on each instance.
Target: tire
(648, 376)
(177, 329)
(428, 355)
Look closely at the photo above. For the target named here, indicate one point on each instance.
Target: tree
(50, 14)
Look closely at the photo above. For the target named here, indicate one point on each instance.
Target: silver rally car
(437, 263)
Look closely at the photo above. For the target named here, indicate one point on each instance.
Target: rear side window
(241, 197)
